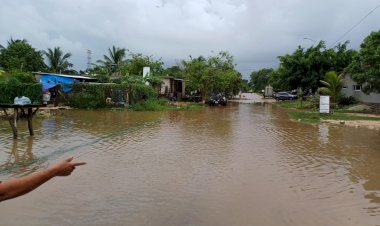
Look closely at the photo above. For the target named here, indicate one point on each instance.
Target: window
(357, 87)
(344, 86)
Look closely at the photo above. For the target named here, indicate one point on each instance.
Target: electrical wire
(357, 24)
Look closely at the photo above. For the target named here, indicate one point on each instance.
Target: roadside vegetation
(316, 117)
(305, 68)
(319, 70)
(119, 67)
(307, 111)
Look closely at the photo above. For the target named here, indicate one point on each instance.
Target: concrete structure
(173, 88)
(351, 88)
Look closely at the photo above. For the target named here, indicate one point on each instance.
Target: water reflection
(336, 157)
(323, 133)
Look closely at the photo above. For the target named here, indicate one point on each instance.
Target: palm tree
(333, 85)
(12, 41)
(57, 60)
(116, 56)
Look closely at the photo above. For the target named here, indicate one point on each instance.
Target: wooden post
(30, 119)
(12, 121)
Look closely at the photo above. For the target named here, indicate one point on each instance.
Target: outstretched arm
(20, 186)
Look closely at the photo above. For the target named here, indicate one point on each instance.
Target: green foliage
(57, 60)
(245, 86)
(260, 79)
(135, 65)
(163, 104)
(93, 95)
(102, 78)
(141, 92)
(12, 87)
(174, 71)
(114, 59)
(87, 99)
(365, 68)
(333, 84)
(149, 105)
(309, 103)
(212, 75)
(315, 117)
(346, 101)
(18, 76)
(305, 68)
(20, 55)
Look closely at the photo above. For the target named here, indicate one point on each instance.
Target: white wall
(359, 95)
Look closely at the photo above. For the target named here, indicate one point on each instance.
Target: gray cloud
(254, 31)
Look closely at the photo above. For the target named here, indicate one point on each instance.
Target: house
(351, 88)
(50, 80)
(174, 88)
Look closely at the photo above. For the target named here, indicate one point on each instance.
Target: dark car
(285, 96)
(218, 99)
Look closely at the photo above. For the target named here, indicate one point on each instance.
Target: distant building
(50, 80)
(351, 88)
(173, 88)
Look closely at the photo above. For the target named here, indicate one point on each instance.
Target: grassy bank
(308, 112)
(164, 104)
(316, 117)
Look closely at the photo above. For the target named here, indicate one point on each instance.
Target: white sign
(324, 104)
(146, 73)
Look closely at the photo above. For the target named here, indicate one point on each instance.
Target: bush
(150, 105)
(140, 91)
(92, 99)
(12, 87)
(344, 101)
(23, 77)
(93, 95)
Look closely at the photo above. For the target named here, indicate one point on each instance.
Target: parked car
(218, 99)
(284, 96)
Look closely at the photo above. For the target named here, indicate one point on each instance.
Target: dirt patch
(356, 123)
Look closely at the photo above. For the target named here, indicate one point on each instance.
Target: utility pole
(88, 59)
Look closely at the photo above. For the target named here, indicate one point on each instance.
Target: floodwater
(244, 164)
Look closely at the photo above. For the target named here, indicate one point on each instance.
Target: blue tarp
(49, 81)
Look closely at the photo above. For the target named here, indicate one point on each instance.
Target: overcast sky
(255, 32)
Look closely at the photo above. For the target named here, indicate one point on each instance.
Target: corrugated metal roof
(66, 76)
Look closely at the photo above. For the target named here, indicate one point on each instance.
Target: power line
(357, 24)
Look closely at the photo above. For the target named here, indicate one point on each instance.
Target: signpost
(324, 104)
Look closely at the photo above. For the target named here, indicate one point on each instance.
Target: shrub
(93, 95)
(12, 87)
(344, 100)
(149, 105)
(140, 91)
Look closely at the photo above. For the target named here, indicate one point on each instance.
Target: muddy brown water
(244, 164)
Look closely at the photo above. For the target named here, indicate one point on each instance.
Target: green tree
(57, 60)
(194, 73)
(333, 84)
(260, 78)
(115, 58)
(135, 65)
(20, 55)
(212, 75)
(304, 68)
(365, 68)
(174, 71)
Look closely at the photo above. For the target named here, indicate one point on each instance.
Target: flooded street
(244, 164)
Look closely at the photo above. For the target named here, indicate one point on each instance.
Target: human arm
(20, 186)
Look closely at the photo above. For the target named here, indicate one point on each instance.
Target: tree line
(305, 68)
(205, 76)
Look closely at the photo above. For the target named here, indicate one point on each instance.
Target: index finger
(78, 163)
